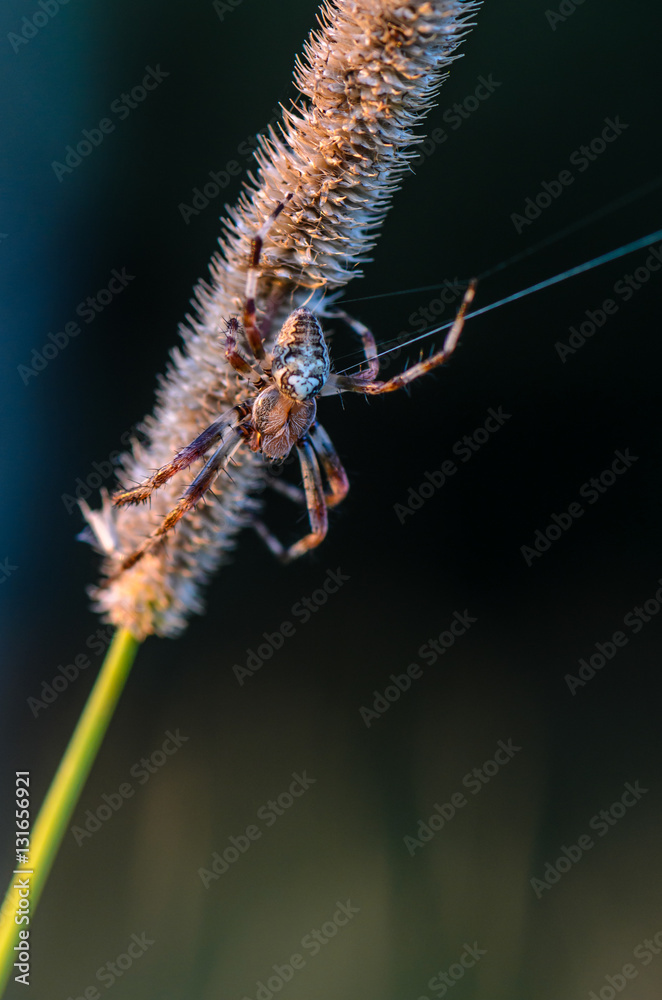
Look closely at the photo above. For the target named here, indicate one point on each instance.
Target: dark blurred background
(504, 679)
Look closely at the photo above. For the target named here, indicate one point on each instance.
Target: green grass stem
(60, 802)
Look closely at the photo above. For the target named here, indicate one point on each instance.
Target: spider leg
(362, 383)
(312, 484)
(337, 482)
(196, 449)
(241, 364)
(367, 340)
(251, 328)
(293, 493)
(191, 497)
(336, 477)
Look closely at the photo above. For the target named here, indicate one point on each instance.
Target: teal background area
(344, 839)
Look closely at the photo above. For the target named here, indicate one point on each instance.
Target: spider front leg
(316, 502)
(253, 334)
(363, 381)
(193, 451)
(236, 359)
(191, 497)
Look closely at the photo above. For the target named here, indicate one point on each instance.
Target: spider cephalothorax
(281, 413)
(300, 367)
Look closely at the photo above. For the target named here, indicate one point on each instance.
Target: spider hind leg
(316, 503)
(315, 495)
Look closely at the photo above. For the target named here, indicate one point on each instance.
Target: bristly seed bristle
(369, 74)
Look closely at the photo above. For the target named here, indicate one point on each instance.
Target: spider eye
(300, 364)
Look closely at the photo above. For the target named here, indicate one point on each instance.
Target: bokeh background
(470, 884)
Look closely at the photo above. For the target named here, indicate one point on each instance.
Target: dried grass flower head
(367, 77)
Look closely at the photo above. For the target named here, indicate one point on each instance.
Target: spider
(281, 414)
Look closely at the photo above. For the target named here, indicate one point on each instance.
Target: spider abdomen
(300, 364)
(278, 422)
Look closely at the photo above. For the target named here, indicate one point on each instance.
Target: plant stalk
(58, 806)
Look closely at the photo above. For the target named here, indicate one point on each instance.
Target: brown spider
(281, 414)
